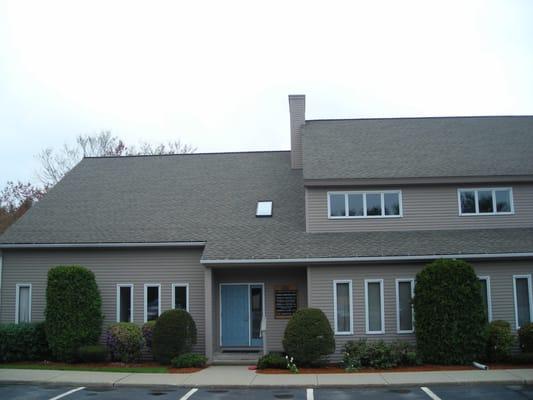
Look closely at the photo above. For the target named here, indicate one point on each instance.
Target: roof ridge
(192, 154)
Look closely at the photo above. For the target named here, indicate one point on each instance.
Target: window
(404, 306)
(522, 300)
(125, 302)
(264, 209)
(485, 201)
(152, 301)
(374, 317)
(23, 303)
(485, 294)
(364, 204)
(180, 296)
(342, 295)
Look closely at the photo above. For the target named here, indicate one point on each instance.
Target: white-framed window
(522, 300)
(152, 301)
(343, 307)
(264, 208)
(378, 204)
(486, 295)
(23, 303)
(180, 296)
(405, 290)
(125, 302)
(374, 306)
(485, 201)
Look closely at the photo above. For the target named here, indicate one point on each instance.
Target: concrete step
(236, 358)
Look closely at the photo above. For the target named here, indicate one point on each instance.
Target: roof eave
(100, 245)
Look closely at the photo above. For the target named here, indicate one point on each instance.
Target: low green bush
(124, 341)
(23, 342)
(499, 341)
(148, 333)
(522, 359)
(189, 360)
(174, 335)
(93, 353)
(272, 360)
(378, 354)
(308, 337)
(525, 338)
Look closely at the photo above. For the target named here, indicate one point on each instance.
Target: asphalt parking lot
(433, 392)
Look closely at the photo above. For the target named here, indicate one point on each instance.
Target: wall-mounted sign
(286, 302)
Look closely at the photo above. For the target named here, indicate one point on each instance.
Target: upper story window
(384, 204)
(485, 201)
(264, 209)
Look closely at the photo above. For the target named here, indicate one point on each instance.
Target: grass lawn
(104, 367)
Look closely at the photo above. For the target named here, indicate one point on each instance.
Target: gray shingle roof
(418, 147)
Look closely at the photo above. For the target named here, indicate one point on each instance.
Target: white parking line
(310, 394)
(67, 393)
(189, 394)
(432, 395)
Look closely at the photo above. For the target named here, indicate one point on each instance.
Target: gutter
(99, 245)
(338, 260)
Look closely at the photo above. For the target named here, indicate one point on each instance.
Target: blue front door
(235, 314)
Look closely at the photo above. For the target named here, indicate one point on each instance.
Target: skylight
(264, 209)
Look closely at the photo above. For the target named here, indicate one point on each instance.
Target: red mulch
(183, 370)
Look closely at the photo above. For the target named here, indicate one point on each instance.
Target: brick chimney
(297, 114)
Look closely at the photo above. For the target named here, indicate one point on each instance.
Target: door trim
(249, 284)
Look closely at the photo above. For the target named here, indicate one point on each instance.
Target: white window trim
(364, 193)
(493, 190)
(146, 286)
(367, 321)
(174, 286)
(121, 285)
(350, 299)
(398, 281)
(17, 300)
(489, 294)
(528, 277)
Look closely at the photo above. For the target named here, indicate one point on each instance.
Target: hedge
(499, 341)
(525, 338)
(73, 311)
(174, 334)
(450, 319)
(272, 360)
(124, 341)
(308, 337)
(189, 360)
(23, 342)
(93, 353)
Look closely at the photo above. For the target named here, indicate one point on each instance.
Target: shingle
(418, 147)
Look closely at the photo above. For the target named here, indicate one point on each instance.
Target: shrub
(174, 334)
(308, 337)
(522, 359)
(148, 333)
(272, 360)
(73, 311)
(92, 353)
(124, 341)
(450, 320)
(23, 342)
(189, 360)
(499, 341)
(379, 354)
(525, 338)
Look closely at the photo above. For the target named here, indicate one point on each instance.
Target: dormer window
(264, 208)
(383, 204)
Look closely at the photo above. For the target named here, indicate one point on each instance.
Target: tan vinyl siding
(135, 266)
(321, 286)
(424, 207)
(270, 277)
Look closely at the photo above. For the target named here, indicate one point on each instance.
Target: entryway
(241, 311)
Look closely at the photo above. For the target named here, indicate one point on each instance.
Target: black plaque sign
(286, 302)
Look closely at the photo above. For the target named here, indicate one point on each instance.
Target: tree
(15, 200)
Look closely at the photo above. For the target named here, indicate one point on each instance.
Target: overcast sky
(217, 74)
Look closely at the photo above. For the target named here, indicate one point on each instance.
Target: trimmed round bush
(308, 337)
(148, 333)
(73, 311)
(23, 342)
(125, 342)
(93, 353)
(272, 360)
(450, 320)
(525, 338)
(499, 341)
(174, 334)
(189, 360)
